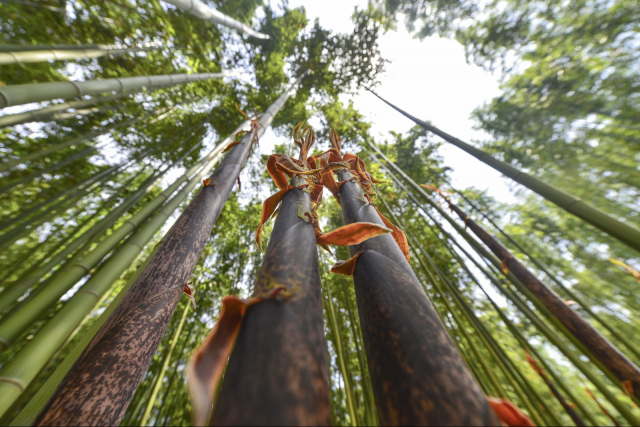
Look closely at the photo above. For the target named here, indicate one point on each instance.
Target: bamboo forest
(202, 222)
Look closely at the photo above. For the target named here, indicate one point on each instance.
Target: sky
(431, 80)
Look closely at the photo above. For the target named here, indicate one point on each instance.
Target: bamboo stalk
(279, 361)
(623, 232)
(204, 12)
(550, 334)
(163, 370)
(31, 47)
(572, 295)
(612, 358)
(339, 351)
(37, 92)
(135, 328)
(38, 401)
(29, 56)
(73, 141)
(420, 367)
(523, 342)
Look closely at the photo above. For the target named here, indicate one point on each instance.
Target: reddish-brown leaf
(268, 207)
(208, 362)
(398, 236)
(346, 267)
(352, 234)
(206, 182)
(278, 177)
(187, 291)
(329, 182)
(508, 413)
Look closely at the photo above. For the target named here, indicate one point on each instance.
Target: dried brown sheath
(278, 371)
(417, 374)
(100, 385)
(612, 358)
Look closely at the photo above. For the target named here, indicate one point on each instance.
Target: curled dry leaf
(188, 292)
(508, 413)
(279, 177)
(346, 267)
(206, 182)
(398, 236)
(208, 362)
(268, 207)
(352, 234)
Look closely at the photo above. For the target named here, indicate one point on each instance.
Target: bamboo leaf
(352, 234)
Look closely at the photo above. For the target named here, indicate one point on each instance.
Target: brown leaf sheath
(278, 372)
(612, 358)
(417, 374)
(100, 385)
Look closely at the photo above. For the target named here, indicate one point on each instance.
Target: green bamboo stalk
(596, 345)
(73, 141)
(86, 152)
(31, 47)
(27, 223)
(204, 12)
(47, 112)
(79, 245)
(16, 324)
(163, 370)
(339, 351)
(572, 295)
(37, 92)
(35, 405)
(550, 334)
(371, 418)
(25, 57)
(623, 232)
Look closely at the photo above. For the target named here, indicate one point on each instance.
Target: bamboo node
(13, 382)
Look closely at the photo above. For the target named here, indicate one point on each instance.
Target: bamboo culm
(278, 367)
(204, 12)
(421, 367)
(135, 328)
(625, 233)
(38, 92)
(17, 57)
(612, 358)
(35, 405)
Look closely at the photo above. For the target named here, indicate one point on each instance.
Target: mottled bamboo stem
(278, 371)
(418, 376)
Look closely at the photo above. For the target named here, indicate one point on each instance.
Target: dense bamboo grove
(136, 198)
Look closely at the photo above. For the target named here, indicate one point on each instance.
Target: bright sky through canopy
(431, 80)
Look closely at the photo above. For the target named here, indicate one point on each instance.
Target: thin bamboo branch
(17, 57)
